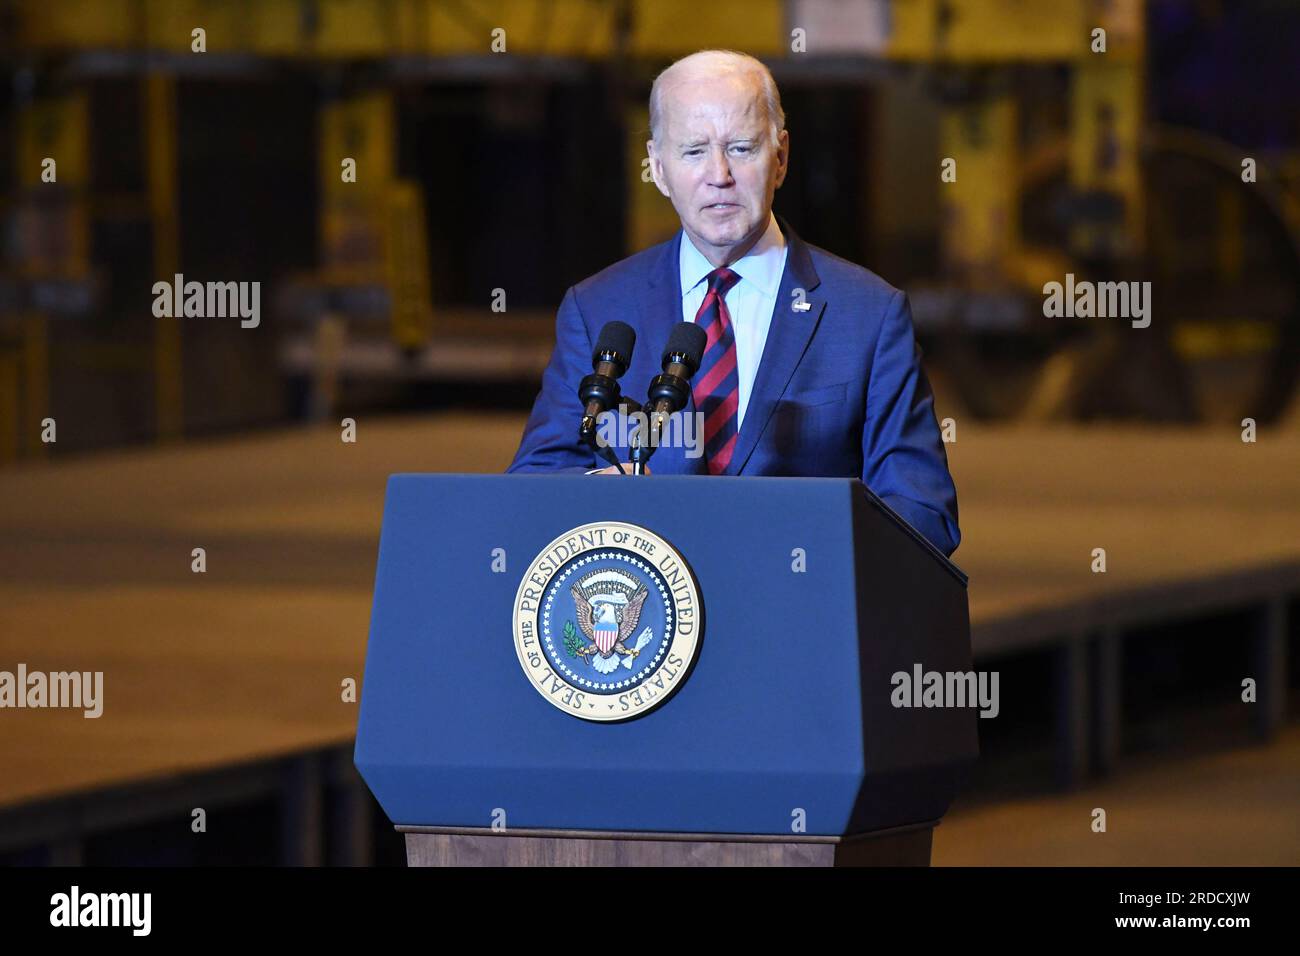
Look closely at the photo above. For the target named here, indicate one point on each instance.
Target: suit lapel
(661, 300)
(787, 339)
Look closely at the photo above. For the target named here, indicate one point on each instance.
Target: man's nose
(719, 168)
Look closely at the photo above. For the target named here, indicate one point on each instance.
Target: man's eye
(693, 152)
(741, 149)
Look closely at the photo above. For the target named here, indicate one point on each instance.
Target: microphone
(599, 391)
(681, 360)
(670, 390)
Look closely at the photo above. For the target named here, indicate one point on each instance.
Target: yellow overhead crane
(987, 31)
(372, 229)
(374, 232)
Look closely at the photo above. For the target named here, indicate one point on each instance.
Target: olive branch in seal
(571, 642)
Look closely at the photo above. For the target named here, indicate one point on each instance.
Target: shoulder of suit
(615, 279)
(840, 272)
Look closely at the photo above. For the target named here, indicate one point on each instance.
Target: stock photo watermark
(76, 909)
(1084, 299)
(922, 688)
(74, 690)
(623, 429)
(209, 300)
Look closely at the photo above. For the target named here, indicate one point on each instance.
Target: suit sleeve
(550, 439)
(903, 456)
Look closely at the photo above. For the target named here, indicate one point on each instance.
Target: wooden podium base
(473, 846)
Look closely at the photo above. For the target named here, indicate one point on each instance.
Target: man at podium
(810, 365)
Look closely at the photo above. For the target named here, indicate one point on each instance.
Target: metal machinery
(1041, 189)
(48, 277)
(1102, 193)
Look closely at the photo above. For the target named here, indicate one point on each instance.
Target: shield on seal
(606, 635)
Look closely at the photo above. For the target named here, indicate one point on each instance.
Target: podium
(676, 670)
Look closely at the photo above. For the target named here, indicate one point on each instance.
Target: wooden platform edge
(476, 846)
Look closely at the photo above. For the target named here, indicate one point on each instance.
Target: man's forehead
(691, 110)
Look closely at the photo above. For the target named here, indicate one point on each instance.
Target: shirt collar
(762, 265)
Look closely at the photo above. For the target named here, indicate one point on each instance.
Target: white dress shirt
(750, 302)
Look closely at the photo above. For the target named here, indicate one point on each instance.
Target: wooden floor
(1229, 808)
(1167, 505)
(246, 660)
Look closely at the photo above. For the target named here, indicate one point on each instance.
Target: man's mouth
(722, 205)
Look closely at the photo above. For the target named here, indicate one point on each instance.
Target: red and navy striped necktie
(717, 384)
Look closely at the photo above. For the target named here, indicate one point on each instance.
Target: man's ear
(783, 155)
(656, 167)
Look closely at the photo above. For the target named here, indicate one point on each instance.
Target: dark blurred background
(419, 301)
(519, 171)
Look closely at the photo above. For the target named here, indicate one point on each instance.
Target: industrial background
(498, 149)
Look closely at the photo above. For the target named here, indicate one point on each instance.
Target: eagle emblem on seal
(608, 607)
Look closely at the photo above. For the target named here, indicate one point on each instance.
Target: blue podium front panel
(763, 735)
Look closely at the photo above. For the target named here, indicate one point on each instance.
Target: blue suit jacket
(840, 391)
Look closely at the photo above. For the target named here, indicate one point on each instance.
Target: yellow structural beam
(79, 24)
(923, 30)
(353, 219)
(1106, 114)
(160, 133)
(980, 216)
(406, 253)
(361, 128)
(57, 128)
(53, 214)
(667, 28)
(986, 30)
(577, 28)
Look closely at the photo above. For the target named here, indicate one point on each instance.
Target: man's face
(717, 163)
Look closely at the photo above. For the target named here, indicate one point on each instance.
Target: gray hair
(734, 62)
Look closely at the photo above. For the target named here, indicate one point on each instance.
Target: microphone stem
(636, 452)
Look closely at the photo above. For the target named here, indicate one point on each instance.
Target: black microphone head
(616, 339)
(685, 345)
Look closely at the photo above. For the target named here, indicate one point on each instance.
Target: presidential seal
(607, 621)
